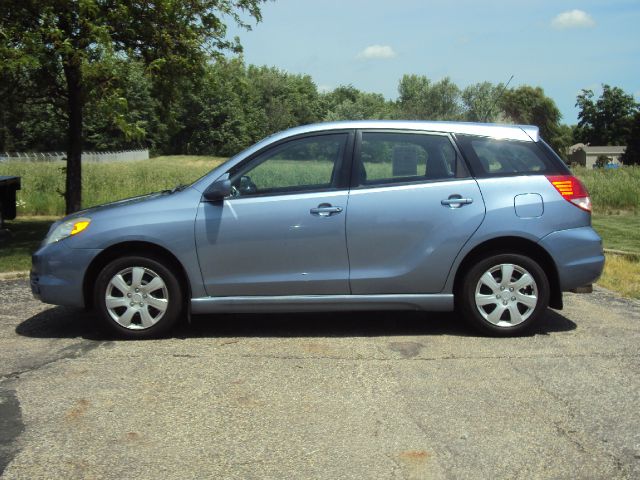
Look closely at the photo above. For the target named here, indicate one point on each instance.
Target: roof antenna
(504, 89)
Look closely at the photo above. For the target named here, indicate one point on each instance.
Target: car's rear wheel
(138, 297)
(504, 294)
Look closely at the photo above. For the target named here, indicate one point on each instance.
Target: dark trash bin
(8, 188)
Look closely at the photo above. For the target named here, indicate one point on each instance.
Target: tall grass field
(43, 183)
(614, 189)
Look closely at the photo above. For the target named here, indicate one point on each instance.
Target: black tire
(140, 304)
(497, 316)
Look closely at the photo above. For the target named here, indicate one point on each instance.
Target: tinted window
(492, 157)
(305, 164)
(404, 157)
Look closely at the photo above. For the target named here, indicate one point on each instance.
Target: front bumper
(57, 273)
(578, 255)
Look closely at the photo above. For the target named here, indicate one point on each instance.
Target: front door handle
(456, 201)
(325, 210)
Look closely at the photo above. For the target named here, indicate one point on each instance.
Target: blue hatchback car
(365, 215)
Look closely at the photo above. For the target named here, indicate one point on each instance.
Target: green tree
(124, 115)
(339, 95)
(481, 102)
(231, 106)
(632, 155)
(27, 121)
(65, 44)
(285, 99)
(420, 99)
(367, 106)
(562, 140)
(226, 118)
(348, 103)
(30, 126)
(607, 120)
(529, 105)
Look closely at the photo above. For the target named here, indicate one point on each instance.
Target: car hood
(120, 203)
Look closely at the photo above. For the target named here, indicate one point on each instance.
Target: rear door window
(391, 158)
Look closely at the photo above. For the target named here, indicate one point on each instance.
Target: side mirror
(218, 190)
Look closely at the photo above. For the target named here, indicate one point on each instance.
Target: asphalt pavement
(393, 395)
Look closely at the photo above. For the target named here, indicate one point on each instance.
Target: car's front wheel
(138, 297)
(504, 294)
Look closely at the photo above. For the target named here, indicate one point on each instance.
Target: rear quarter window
(489, 157)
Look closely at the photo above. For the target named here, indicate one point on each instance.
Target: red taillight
(571, 190)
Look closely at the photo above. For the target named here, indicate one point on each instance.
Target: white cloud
(573, 19)
(377, 51)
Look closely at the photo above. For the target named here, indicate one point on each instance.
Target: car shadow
(64, 322)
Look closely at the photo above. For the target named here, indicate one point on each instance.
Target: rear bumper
(578, 255)
(57, 274)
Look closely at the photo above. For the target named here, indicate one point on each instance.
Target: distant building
(586, 155)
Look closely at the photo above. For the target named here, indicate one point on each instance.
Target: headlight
(67, 229)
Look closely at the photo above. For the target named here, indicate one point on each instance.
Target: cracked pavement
(389, 395)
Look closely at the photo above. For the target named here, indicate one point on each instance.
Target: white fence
(126, 156)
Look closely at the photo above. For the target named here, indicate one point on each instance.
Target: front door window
(306, 164)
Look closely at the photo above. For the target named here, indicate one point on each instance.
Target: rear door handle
(325, 210)
(456, 201)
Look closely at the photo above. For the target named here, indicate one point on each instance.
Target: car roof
(525, 133)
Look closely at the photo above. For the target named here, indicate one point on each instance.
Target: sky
(561, 46)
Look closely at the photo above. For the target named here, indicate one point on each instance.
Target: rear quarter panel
(501, 219)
